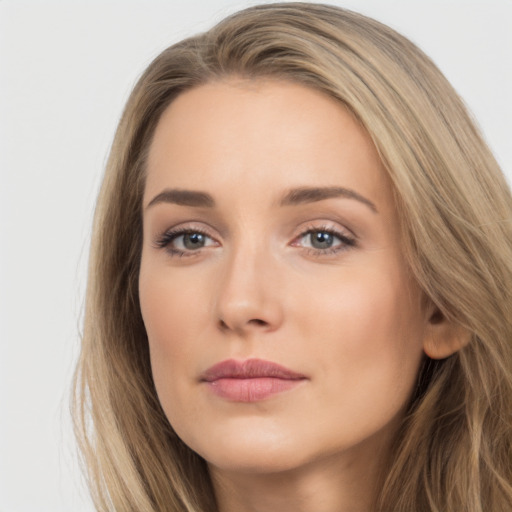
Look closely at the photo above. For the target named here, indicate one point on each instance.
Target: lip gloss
(251, 380)
(251, 390)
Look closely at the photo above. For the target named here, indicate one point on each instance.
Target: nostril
(257, 321)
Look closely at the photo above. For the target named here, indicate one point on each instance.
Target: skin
(350, 319)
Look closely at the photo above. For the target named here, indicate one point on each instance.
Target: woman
(300, 281)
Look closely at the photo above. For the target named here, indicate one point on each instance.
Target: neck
(333, 484)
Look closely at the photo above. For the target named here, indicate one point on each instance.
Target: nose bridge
(247, 296)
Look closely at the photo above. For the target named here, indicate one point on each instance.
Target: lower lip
(251, 390)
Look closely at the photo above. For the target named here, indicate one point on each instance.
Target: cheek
(165, 302)
(371, 330)
(363, 308)
(174, 316)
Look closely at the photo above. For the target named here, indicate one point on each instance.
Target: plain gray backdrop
(66, 69)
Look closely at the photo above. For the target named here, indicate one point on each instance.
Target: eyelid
(347, 239)
(165, 239)
(325, 225)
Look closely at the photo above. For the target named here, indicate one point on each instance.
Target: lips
(251, 380)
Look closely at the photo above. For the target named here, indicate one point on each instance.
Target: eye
(182, 242)
(190, 241)
(321, 239)
(324, 240)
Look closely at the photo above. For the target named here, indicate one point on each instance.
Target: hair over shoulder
(454, 448)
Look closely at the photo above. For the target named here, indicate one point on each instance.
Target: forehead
(261, 136)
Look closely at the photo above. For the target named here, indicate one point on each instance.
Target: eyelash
(166, 239)
(347, 242)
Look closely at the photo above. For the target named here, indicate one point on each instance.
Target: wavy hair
(453, 451)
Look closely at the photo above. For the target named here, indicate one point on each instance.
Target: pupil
(321, 240)
(193, 240)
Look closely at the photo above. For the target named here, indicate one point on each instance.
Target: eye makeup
(314, 240)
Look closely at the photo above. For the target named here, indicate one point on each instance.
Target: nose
(249, 296)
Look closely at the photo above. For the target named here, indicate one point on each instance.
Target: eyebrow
(311, 195)
(296, 196)
(184, 198)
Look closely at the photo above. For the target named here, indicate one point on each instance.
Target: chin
(254, 461)
(252, 452)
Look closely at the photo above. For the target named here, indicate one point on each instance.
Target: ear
(443, 337)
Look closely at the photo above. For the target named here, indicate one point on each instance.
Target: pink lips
(249, 381)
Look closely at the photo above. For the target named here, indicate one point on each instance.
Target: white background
(66, 69)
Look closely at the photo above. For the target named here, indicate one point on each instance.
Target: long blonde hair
(454, 449)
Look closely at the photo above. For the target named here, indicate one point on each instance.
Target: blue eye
(324, 240)
(184, 241)
(318, 241)
(192, 241)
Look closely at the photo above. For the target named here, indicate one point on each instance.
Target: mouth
(251, 380)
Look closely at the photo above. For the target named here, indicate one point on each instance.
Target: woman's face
(283, 325)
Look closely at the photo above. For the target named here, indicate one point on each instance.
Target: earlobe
(443, 337)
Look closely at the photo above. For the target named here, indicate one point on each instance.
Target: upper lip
(248, 369)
